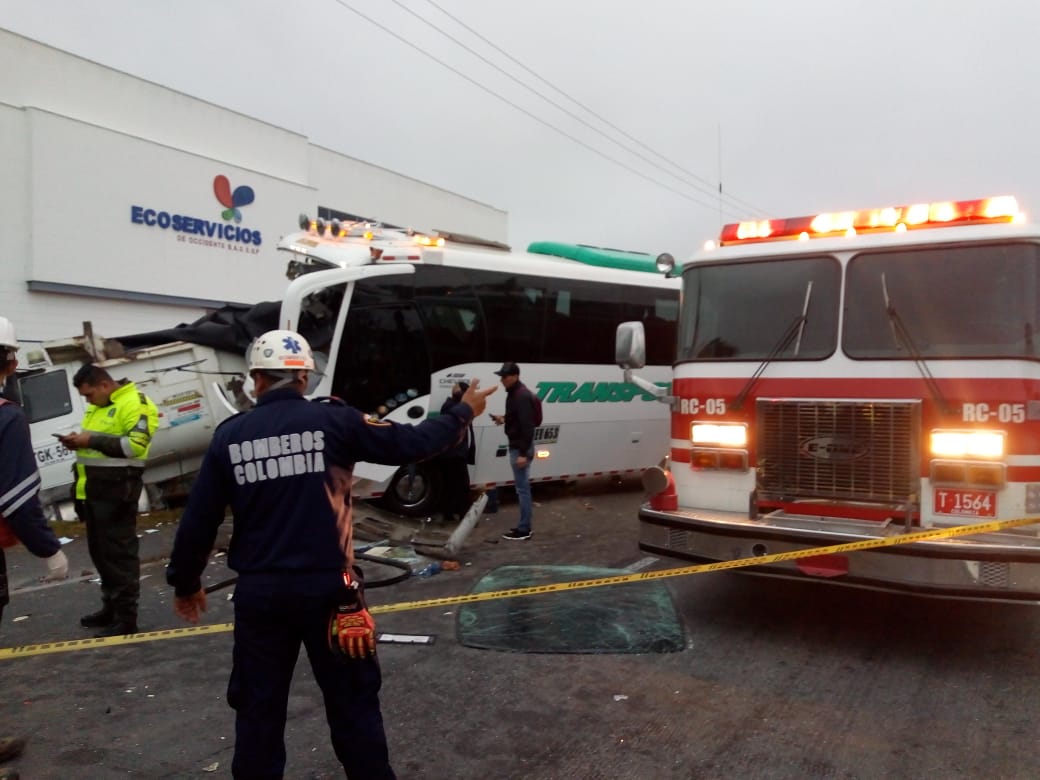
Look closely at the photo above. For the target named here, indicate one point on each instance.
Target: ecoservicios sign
(227, 234)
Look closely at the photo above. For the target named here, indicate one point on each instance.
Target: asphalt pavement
(773, 679)
(156, 709)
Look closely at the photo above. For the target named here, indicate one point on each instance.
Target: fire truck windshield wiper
(902, 336)
(792, 332)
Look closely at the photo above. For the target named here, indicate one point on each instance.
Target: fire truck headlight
(719, 434)
(967, 444)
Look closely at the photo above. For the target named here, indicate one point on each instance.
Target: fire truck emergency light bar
(889, 219)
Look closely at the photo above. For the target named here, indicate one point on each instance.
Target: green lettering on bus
(592, 392)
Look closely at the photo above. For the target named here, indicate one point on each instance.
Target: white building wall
(35, 75)
(104, 193)
(108, 206)
(41, 316)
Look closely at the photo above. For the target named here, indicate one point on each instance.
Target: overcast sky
(804, 105)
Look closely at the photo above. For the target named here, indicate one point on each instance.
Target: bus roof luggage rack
(462, 238)
(595, 255)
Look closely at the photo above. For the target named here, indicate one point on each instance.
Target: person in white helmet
(21, 516)
(285, 469)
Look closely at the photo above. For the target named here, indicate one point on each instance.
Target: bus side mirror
(630, 345)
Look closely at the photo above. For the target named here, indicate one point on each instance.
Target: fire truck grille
(838, 450)
(994, 574)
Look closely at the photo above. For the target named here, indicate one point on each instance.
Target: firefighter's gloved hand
(57, 567)
(352, 632)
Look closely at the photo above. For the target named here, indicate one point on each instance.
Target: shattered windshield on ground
(636, 617)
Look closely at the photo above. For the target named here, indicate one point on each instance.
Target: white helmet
(281, 350)
(8, 341)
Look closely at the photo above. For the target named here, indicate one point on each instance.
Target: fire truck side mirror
(630, 345)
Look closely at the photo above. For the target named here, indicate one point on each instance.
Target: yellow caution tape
(701, 568)
(25, 651)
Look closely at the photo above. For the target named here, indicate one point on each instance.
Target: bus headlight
(967, 444)
(719, 434)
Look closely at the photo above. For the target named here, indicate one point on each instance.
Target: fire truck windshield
(738, 311)
(979, 301)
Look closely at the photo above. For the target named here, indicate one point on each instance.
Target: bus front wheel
(413, 491)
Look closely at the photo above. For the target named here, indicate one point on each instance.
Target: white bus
(396, 319)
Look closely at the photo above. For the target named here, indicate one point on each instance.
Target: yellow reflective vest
(120, 435)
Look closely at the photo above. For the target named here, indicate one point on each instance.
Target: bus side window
(514, 310)
(455, 330)
(583, 317)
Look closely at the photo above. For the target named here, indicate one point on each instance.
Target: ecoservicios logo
(225, 234)
(242, 196)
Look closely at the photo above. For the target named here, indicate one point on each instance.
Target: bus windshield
(773, 309)
(977, 301)
(401, 328)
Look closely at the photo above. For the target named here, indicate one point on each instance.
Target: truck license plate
(51, 453)
(964, 503)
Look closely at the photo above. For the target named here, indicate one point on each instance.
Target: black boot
(103, 617)
(119, 627)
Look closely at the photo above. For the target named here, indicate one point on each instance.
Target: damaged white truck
(194, 386)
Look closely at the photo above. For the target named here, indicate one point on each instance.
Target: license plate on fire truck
(964, 503)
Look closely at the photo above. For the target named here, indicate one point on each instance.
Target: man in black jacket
(519, 429)
(454, 464)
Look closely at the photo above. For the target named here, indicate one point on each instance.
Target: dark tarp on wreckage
(231, 328)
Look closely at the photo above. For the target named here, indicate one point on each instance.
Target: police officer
(21, 516)
(285, 469)
(118, 425)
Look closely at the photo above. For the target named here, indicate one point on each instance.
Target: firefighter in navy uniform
(285, 469)
(21, 516)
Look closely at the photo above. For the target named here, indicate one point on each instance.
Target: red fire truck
(855, 376)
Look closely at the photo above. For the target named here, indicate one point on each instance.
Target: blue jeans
(522, 480)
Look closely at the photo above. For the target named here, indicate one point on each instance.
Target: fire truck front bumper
(1003, 566)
